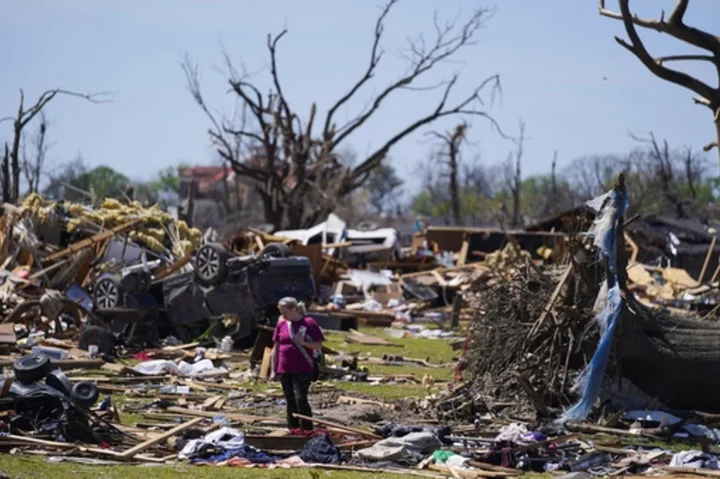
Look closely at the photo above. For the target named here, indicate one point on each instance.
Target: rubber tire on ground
(98, 336)
(276, 250)
(211, 263)
(58, 380)
(85, 394)
(32, 368)
(108, 293)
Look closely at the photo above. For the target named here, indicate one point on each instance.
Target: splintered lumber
(209, 404)
(93, 240)
(266, 365)
(358, 432)
(707, 259)
(539, 444)
(37, 442)
(209, 415)
(64, 364)
(167, 270)
(133, 451)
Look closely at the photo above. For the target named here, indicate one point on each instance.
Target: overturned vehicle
(222, 295)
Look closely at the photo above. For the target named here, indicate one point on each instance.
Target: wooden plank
(64, 363)
(462, 256)
(133, 451)
(266, 365)
(358, 432)
(707, 259)
(209, 415)
(88, 242)
(208, 404)
(167, 270)
(7, 334)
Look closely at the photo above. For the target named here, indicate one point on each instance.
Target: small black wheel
(211, 263)
(85, 394)
(109, 293)
(32, 368)
(58, 380)
(97, 336)
(276, 250)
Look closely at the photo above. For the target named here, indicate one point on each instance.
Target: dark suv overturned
(225, 295)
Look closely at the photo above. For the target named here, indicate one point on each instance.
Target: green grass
(387, 392)
(435, 351)
(28, 467)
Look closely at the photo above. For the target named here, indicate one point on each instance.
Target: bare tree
(676, 28)
(513, 175)
(662, 163)
(452, 140)
(33, 162)
(300, 178)
(11, 166)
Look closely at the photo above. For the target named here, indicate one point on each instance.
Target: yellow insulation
(151, 231)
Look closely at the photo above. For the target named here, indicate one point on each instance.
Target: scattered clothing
(694, 460)
(321, 450)
(306, 432)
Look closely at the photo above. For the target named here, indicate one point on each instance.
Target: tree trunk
(15, 163)
(454, 193)
(6, 176)
(274, 211)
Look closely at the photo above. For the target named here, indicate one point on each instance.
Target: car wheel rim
(208, 263)
(107, 294)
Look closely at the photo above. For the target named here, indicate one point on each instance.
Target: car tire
(32, 368)
(211, 263)
(97, 336)
(85, 394)
(109, 293)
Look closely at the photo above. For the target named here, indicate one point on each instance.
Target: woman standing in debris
(296, 342)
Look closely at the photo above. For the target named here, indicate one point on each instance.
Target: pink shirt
(290, 359)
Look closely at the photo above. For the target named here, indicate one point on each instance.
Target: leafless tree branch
(301, 176)
(676, 28)
(11, 166)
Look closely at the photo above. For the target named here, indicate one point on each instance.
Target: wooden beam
(88, 242)
(707, 259)
(133, 451)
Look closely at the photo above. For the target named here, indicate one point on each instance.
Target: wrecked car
(223, 295)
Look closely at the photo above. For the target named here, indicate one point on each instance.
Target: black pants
(295, 387)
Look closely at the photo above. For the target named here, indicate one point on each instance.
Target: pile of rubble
(174, 327)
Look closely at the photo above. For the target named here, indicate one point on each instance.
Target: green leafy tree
(77, 182)
(385, 188)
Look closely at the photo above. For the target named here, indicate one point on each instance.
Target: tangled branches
(513, 341)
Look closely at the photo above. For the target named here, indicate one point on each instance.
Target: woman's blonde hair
(292, 304)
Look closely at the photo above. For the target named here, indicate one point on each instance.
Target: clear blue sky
(561, 71)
